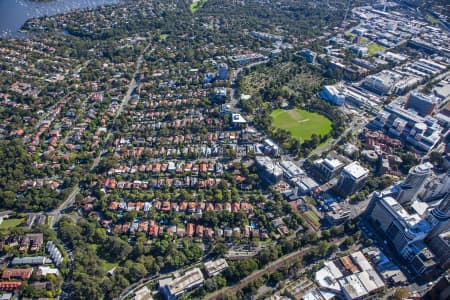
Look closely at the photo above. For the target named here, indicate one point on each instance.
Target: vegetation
(9, 223)
(301, 124)
(196, 5)
(312, 217)
(374, 48)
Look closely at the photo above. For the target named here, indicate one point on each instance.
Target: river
(14, 13)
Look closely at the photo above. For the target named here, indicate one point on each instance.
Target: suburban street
(57, 213)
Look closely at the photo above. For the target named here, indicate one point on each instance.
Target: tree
(116, 249)
(137, 271)
(219, 250)
(349, 241)
(276, 277)
(436, 158)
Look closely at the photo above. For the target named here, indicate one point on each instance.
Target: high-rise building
(222, 71)
(403, 229)
(440, 245)
(436, 188)
(441, 289)
(352, 179)
(414, 182)
(440, 218)
(423, 104)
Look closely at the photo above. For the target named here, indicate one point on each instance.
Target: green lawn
(301, 124)
(374, 48)
(195, 5)
(9, 223)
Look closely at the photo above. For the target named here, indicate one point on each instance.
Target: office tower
(413, 183)
(352, 179)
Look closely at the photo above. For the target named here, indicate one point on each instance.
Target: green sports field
(301, 124)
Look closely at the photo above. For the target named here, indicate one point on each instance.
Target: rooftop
(355, 170)
(216, 266)
(353, 286)
(189, 279)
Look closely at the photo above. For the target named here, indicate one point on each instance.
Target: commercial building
(174, 288)
(333, 95)
(269, 169)
(216, 267)
(352, 179)
(305, 185)
(382, 83)
(271, 148)
(439, 218)
(350, 277)
(328, 168)
(423, 133)
(414, 182)
(440, 290)
(238, 121)
(435, 188)
(440, 245)
(337, 214)
(360, 51)
(405, 231)
(421, 103)
(291, 170)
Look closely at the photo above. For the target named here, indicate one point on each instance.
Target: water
(14, 13)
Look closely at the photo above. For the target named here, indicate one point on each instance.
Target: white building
(216, 267)
(174, 288)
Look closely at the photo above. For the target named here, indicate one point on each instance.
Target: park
(302, 124)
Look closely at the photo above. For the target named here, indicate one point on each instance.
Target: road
(58, 212)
